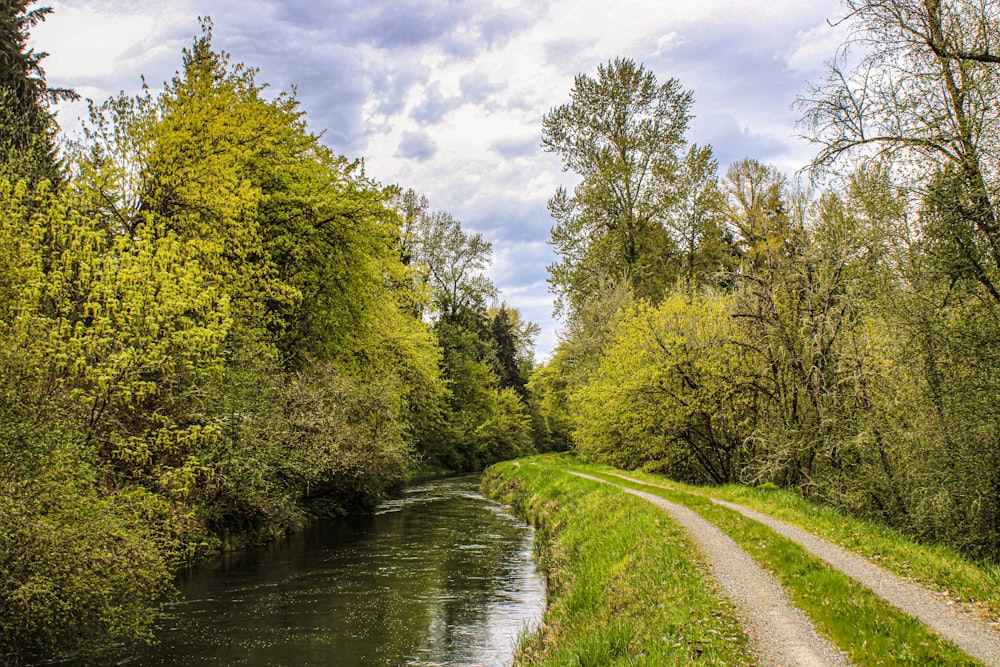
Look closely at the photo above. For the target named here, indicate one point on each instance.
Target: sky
(447, 96)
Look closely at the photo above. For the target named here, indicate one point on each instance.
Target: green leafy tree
(621, 133)
(453, 264)
(673, 393)
(512, 340)
(485, 350)
(698, 222)
(80, 566)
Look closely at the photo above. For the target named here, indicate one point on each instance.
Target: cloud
(458, 27)
(569, 52)
(435, 105)
(809, 49)
(384, 24)
(731, 142)
(391, 87)
(416, 146)
(117, 46)
(519, 263)
(514, 147)
(477, 88)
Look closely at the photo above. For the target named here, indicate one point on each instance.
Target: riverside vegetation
(213, 328)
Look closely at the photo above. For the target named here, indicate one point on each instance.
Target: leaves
(673, 391)
(621, 132)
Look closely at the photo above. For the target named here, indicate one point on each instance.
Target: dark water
(441, 576)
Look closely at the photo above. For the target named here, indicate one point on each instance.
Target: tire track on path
(781, 633)
(972, 635)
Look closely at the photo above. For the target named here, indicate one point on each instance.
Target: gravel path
(781, 634)
(972, 635)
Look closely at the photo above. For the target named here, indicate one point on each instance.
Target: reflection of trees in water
(440, 575)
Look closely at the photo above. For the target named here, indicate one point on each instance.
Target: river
(438, 577)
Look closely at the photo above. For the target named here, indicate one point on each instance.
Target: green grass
(868, 629)
(937, 567)
(625, 588)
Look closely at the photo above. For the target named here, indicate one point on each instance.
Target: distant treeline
(841, 340)
(213, 328)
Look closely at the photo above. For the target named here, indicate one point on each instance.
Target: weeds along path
(780, 632)
(972, 635)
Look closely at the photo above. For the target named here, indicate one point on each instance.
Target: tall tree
(621, 132)
(922, 97)
(453, 262)
(512, 340)
(27, 127)
(697, 221)
(412, 208)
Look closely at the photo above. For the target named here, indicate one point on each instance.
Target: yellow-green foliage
(80, 564)
(671, 390)
(203, 344)
(506, 432)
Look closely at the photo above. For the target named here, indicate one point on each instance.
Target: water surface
(441, 576)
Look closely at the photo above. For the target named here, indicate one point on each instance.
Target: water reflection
(441, 576)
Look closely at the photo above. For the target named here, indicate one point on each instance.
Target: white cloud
(811, 48)
(417, 146)
(448, 97)
(108, 43)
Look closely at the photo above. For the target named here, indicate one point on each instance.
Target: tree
(453, 262)
(27, 127)
(512, 340)
(674, 391)
(757, 211)
(697, 221)
(413, 209)
(922, 97)
(90, 329)
(620, 132)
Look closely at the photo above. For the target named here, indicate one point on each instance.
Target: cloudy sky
(447, 96)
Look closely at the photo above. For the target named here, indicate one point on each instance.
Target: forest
(213, 328)
(836, 334)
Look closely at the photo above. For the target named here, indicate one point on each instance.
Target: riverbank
(582, 528)
(600, 549)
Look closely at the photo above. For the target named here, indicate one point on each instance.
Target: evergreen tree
(27, 126)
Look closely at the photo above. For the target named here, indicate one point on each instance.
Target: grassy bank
(626, 587)
(601, 549)
(937, 567)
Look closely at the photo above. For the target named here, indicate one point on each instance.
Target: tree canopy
(621, 132)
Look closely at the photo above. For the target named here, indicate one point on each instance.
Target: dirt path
(972, 635)
(781, 634)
